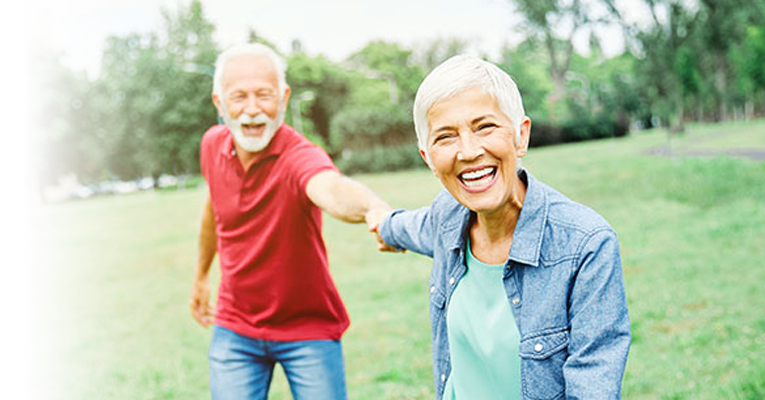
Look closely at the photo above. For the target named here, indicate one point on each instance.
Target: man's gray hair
(457, 74)
(249, 49)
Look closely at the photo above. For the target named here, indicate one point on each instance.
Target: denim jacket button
(443, 377)
(432, 289)
(451, 281)
(538, 347)
(516, 301)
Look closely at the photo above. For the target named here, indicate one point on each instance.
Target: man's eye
(442, 137)
(486, 126)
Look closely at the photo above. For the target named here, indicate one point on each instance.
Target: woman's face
(472, 149)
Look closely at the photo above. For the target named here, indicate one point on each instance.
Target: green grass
(730, 136)
(115, 275)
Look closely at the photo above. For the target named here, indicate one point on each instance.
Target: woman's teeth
(477, 178)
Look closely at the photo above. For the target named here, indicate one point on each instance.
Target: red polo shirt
(275, 282)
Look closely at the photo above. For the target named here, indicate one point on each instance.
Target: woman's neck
(491, 233)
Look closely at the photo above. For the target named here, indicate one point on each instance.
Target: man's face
(252, 106)
(472, 149)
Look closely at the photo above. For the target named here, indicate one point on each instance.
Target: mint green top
(483, 337)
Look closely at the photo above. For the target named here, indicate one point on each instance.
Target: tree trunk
(721, 86)
(749, 107)
(557, 94)
(679, 125)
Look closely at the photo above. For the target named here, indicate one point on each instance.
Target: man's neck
(247, 158)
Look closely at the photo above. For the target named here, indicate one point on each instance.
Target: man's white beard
(253, 143)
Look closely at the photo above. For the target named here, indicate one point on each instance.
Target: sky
(335, 28)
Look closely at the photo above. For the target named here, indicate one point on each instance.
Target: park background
(662, 133)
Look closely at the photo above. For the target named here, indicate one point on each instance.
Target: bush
(578, 129)
(544, 134)
(375, 139)
(378, 159)
(363, 128)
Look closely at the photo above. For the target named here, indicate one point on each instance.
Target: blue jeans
(241, 368)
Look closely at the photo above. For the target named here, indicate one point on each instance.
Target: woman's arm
(600, 326)
(409, 230)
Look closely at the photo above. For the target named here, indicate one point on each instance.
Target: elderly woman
(526, 293)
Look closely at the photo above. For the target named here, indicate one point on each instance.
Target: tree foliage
(145, 113)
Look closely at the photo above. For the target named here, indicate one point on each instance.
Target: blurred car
(105, 187)
(166, 180)
(123, 187)
(146, 183)
(81, 192)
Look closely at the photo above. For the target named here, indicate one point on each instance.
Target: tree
(437, 51)
(527, 63)
(328, 85)
(65, 141)
(749, 61)
(36, 140)
(154, 96)
(555, 23)
(389, 62)
(666, 51)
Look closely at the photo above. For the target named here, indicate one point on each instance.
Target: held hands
(200, 302)
(373, 218)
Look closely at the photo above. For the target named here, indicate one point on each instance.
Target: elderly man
(267, 187)
(526, 292)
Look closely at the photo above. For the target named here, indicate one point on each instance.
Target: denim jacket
(563, 281)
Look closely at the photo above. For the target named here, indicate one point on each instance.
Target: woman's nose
(470, 148)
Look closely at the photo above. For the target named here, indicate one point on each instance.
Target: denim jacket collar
(527, 238)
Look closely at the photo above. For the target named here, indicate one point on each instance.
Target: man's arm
(344, 198)
(349, 201)
(199, 302)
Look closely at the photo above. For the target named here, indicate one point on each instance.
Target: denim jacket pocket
(542, 359)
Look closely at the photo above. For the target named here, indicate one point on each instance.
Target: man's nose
(252, 107)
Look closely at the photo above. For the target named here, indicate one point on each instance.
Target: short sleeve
(308, 160)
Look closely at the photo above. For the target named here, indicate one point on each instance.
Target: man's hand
(200, 302)
(373, 218)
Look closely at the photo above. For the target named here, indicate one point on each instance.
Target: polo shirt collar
(527, 238)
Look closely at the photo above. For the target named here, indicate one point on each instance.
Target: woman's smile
(476, 180)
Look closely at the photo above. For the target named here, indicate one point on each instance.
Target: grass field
(115, 273)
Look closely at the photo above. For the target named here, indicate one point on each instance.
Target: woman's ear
(522, 138)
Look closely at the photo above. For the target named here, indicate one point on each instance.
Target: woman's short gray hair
(249, 49)
(457, 74)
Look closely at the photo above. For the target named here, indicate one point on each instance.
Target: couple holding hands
(526, 293)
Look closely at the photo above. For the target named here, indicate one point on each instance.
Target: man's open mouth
(479, 177)
(253, 129)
